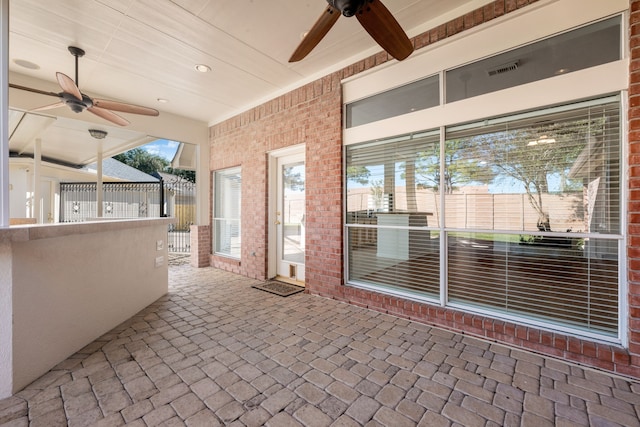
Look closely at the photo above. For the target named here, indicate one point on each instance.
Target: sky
(162, 147)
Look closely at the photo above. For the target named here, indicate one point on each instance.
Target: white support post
(6, 276)
(4, 113)
(99, 195)
(37, 208)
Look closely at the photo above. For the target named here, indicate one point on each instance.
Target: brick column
(200, 245)
(633, 214)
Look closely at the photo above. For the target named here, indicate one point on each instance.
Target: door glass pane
(293, 212)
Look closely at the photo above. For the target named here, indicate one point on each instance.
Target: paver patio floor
(215, 351)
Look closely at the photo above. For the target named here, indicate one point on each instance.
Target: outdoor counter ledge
(64, 285)
(17, 233)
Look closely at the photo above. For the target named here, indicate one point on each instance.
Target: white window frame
(217, 205)
(523, 27)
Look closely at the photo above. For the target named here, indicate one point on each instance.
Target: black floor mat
(279, 288)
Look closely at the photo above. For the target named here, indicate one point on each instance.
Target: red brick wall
(633, 216)
(309, 115)
(200, 241)
(312, 114)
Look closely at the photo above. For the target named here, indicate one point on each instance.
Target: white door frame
(272, 265)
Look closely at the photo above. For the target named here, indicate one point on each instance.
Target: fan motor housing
(74, 103)
(347, 7)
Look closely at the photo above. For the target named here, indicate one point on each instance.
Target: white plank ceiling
(139, 51)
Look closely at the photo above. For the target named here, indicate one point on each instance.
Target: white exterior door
(289, 216)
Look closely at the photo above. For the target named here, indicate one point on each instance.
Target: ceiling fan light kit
(98, 133)
(79, 102)
(374, 17)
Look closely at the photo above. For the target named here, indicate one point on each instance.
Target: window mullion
(441, 222)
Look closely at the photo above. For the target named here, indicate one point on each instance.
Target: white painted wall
(18, 189)
(71, 283)
(6, 319)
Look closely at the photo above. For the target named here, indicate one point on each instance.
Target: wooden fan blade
(316, 33)
(125, 108)
(30, 89)
(385, 30)
(68, 85)
(108, 115)
(49, 107)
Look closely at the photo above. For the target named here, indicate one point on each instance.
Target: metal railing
(120, 200)
(180, 203)
(175, 198)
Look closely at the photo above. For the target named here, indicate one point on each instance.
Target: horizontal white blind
(391, 207)
(227, 212)
(399, 259)
(555, 177)
(531, 215)
(555, 172)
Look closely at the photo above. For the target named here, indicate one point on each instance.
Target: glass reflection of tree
(532, 155)
(358, 174)
(462, 166)
(293, 178)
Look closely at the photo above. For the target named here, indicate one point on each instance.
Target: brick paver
(215, 352)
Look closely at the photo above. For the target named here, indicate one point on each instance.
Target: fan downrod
(78, 53)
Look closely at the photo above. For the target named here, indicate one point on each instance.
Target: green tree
(150, 163)
(143, 161)
(183, 173)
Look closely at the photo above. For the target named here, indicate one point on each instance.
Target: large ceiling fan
(373, 16)
(78, 102)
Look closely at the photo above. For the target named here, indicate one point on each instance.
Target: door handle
(277, 222)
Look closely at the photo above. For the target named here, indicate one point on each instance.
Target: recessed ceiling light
(162, 100)
(202, 68)
(26, 64)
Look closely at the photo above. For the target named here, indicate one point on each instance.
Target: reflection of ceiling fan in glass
(372, 15)
(78, 102)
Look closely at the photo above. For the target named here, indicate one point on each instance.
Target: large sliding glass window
(227, 236)
(526, 208)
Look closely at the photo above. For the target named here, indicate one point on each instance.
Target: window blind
(227, 212)
(392, 213)
(531, 217)
(556, 179)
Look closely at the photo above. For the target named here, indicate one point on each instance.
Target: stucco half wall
(71, 283)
